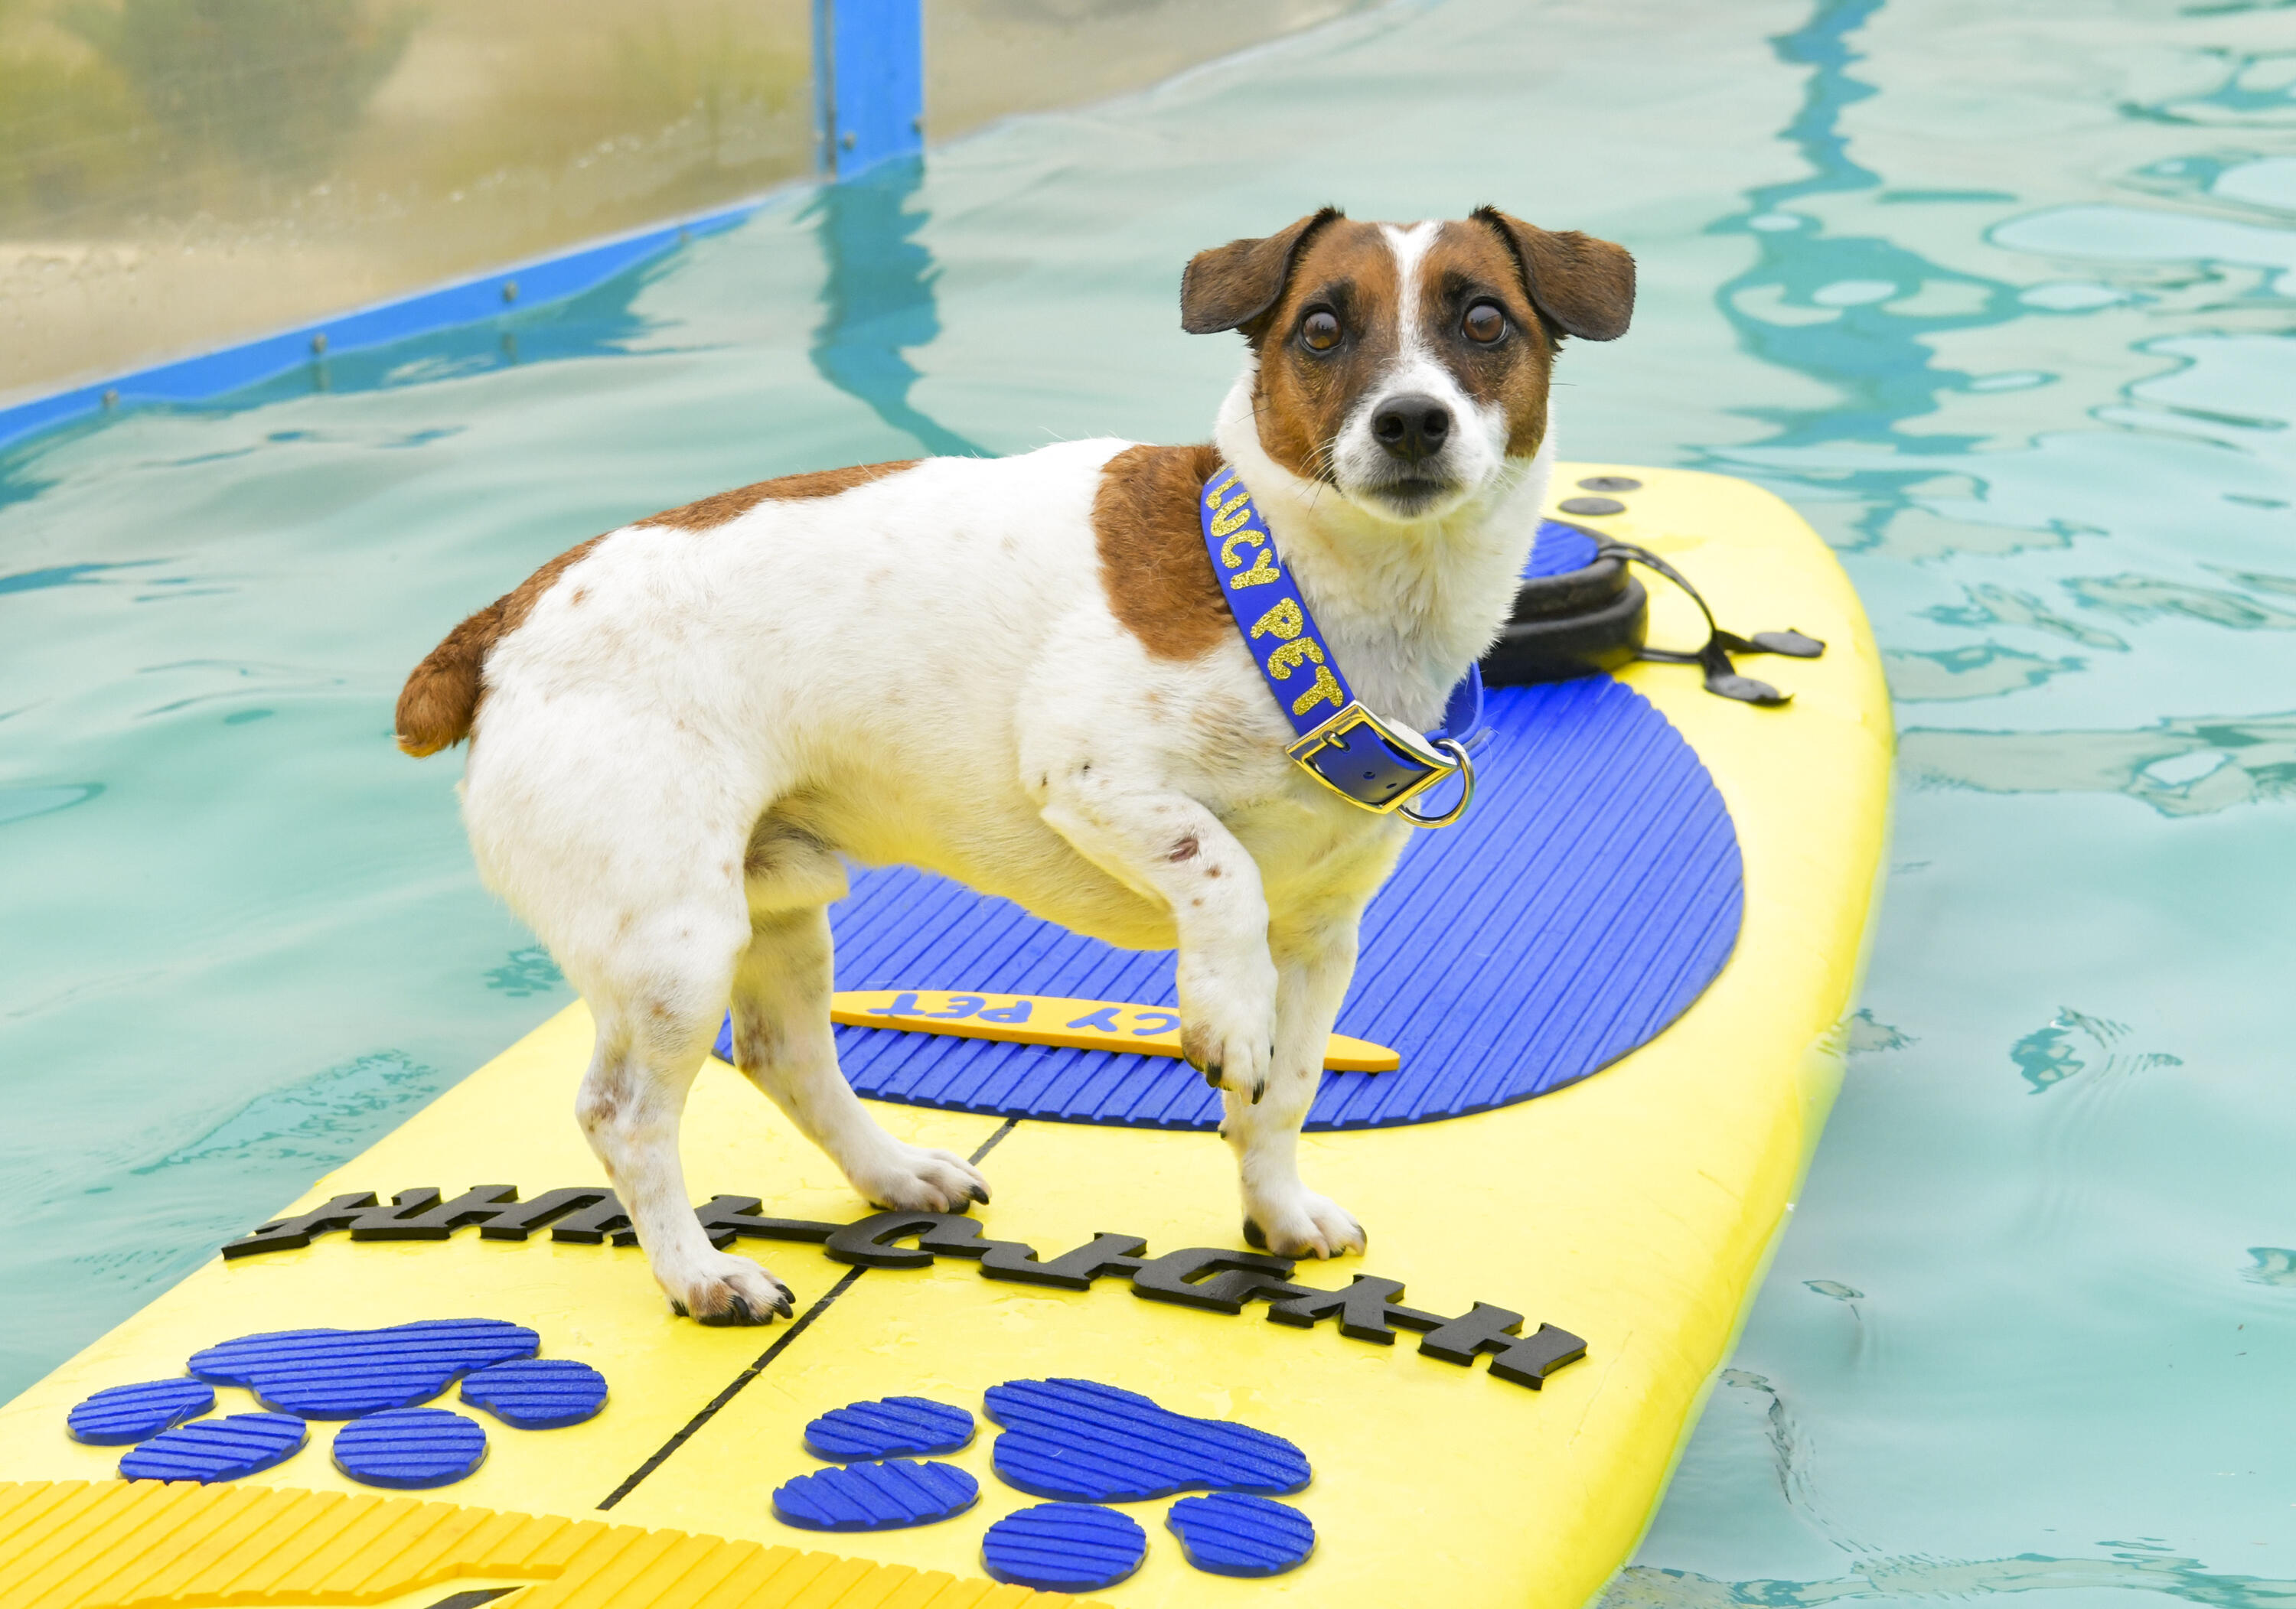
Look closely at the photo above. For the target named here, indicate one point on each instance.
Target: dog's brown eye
(1485, 322)
(1320, 331)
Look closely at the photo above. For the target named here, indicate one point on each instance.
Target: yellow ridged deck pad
(134, 1544)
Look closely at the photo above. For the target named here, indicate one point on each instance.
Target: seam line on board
(781, 1344)
(734, 1388)
(994, 1140)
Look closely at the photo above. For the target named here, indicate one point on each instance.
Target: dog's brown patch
(1466, 265)
(1585, 286)
(1152, 564)
(711, 512)
(439, 703)
(1232, 287)
(1348, 269)
(440, 698)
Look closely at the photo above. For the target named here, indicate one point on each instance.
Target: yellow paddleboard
(1632, 1212)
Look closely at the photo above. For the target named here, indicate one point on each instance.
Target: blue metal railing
(868, 83)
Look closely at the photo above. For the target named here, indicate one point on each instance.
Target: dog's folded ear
(1583, 286)
(1232, 287)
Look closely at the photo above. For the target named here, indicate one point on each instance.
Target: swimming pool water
(2002, 297)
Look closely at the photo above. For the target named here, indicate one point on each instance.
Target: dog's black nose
(1412, 427)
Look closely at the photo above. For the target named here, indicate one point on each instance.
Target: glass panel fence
(176, 175)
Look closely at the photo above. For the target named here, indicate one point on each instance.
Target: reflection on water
(1982, 670)
(310, 1122)
(2137, 1569)
(2257, 87)
(22, 803)
(2180, 766)
(878, 299)
(2271, 1265)
(601, 322)
(877, 305)
(529, 971)
(1853, 311)
(1990, 604)
(63, 575)
(1869, 1035)
(2136, 598)
(2075, 1042)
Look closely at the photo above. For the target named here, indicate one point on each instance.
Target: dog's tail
(440, 700)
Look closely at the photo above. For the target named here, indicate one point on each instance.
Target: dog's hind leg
(656, 1001)
(782, 1042)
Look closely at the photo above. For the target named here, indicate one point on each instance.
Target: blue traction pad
(875, 1497)
(1590, 896)
(891, 1428)
(341, 1373)
(216, 1450)
(1064, 1547)
(120, 1414)
(1228, 1533)
(411, 1448)
(537, 1393)
(1559, 550)
(1098, 1444)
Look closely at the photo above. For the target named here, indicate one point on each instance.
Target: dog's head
(1405, 364)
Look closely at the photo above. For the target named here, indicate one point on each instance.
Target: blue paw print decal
(374, 1378)
(888, 1496)
(411, 1448)
(1093, 1443)
(341, 1373)
(1228, 1533)
(122, 1415)
(1075, 1439)
(537, 1393)
(889, 1428)
(216, 1450)
(1064, 1547)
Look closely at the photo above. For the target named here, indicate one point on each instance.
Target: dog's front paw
(911, 1178)
(1302, 1224)
(1227, 1033)
(725, 1289)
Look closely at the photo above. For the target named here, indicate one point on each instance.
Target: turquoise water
(2002, 296)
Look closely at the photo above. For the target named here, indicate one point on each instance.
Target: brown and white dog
(1019, 673)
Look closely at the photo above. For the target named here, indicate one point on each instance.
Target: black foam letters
(1529, 1360)
(1210, 1278)
(868, 1242)
(725, 1218)
(1229, 1279)
(1070, 1270)
(517, 1221)
(420, 1215)
(1365, 1310)
(285, 1234)
(1526, 1360)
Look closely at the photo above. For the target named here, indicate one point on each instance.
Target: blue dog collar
(1344, 746)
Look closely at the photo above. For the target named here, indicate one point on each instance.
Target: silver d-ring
(1466, 790)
